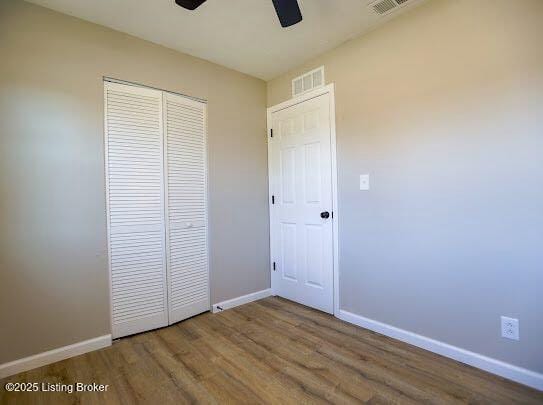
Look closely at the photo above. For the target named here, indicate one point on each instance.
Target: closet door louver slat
(135, 197)
(185, 157)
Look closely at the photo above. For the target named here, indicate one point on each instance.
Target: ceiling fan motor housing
(189, 4)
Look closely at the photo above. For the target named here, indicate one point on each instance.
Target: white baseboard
(244, 299)
(52, 356)
(506, 370)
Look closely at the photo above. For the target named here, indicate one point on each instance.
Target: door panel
(314, 258)
(186, 207)
(288, 175)
(312, 173)
(289, 251)
(301, 183)
(135, 208)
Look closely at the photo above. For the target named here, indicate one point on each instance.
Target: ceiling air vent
(383, 7)
(308, 81)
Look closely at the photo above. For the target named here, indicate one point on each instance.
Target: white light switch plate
(364, 182)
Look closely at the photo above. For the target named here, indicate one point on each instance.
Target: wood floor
(270, 351)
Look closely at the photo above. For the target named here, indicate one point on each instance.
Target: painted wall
(53, 252)
(443, 107)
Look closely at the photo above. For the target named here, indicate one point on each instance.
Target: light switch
(364, 182)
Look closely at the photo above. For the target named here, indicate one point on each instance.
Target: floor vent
(383, 7)
(308, 81)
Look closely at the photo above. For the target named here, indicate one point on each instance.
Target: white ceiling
(244, 35)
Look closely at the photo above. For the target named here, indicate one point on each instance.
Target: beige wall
(441, 106)
(444, 108)
(53, 253)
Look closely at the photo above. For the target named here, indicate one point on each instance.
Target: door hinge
(273, 199)
(271, 133)
(273, 266)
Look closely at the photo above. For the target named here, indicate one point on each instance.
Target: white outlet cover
(510, 328)
(364, 182)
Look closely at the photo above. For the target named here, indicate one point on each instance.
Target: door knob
(325, 214)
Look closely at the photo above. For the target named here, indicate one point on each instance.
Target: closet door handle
(325, 214)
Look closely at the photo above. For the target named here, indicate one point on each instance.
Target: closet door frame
(200, 104)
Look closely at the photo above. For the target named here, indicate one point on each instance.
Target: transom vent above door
(308, 81)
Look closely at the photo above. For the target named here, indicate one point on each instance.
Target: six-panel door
(301, 183)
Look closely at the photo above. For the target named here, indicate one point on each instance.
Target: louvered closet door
(188, 292)
(135, 195)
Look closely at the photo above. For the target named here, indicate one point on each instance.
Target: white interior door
(301, 211)
(135, 212)
(186, 232)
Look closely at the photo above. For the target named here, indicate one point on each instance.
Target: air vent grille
(308, 81)
(383, 7)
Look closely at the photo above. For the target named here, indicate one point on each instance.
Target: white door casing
(301, 186)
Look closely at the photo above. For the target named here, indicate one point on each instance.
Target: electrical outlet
(510, 328)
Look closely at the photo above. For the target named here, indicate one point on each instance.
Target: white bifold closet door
(188, 287)
(156, 207)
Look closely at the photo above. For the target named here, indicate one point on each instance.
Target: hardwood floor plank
(267, 352)
(449, 374)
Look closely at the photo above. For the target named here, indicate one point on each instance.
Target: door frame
(328, 89)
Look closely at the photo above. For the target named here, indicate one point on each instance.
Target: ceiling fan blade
(288, 12)
(189, 4)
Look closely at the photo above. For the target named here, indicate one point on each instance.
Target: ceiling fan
(288, 11)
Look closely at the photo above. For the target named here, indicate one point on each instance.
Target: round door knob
(325, 214)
